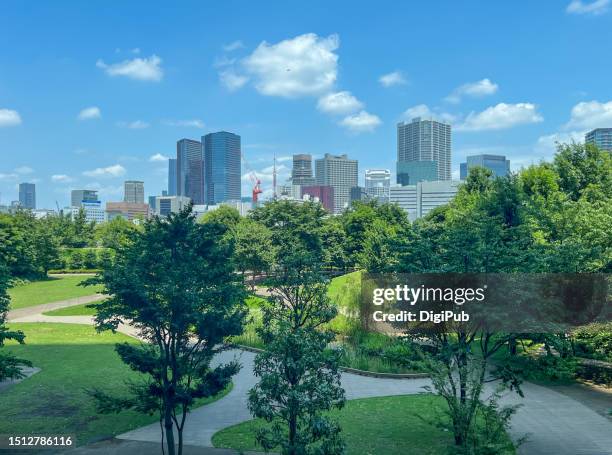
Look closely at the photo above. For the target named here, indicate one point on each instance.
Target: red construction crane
(254, 180)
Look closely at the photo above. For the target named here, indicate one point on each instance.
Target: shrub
(594, 341)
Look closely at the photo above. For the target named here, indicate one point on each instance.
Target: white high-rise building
(377, 183)
(133, 192)
(420, 199)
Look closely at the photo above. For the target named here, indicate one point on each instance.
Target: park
(244, 333)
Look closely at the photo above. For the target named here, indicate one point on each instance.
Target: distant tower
(133, 192)
(274, 178)
(222, 167)
(339, 172)
(190, 170)
(27, 195)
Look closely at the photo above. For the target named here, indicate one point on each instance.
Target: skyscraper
(427, 142)
(133, 192)
(301, 172)
(377, 183)
(27, 195)
(172, 177)
(78, 197)
(339, 172)
(497, 164)
(222, 167)
(190, 170)
(601, 137)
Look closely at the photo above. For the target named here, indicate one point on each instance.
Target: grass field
(50, 290)
(400, 425)
(73, 359)
(77, 310)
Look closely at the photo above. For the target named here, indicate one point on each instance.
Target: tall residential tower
(423, 151)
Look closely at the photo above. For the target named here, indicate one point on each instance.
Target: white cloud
(339, 103)
(595, 7)
(234, 45)
(135, 125)
(192, 123)
(223, 61)
(501, 116)
(232, 80)
(115, 170)
(89, 113)
(547, 145)
(361, 122)
(423, 111)
(590, 115)
(477, 89)
(8, 177)
(143, 69)
(22, 170)
(301, 66)
(391, 79)
(158, 157)
(61, 178)
(9, 117)
(136, 50)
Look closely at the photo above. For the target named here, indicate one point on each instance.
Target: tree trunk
(169, 430)
(292, 433)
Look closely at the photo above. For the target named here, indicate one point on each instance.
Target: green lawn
(73, 358)
(77, 310)
(50, 290)
(400, 425)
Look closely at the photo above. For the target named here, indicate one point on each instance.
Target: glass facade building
(222, 164)
(601, 137)
(172, 177)
(497, 164)
(190, 170)
(339, 172)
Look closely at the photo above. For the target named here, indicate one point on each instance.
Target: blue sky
(94, 93)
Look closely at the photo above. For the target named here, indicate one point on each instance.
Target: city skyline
(96, 115)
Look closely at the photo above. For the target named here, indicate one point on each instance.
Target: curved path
(554, 423)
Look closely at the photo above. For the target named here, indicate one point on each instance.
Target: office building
(301, 171)
(339, 172)
(165, 205)
(190, 170)
(222, 164)
(133, 192)
(27, 195)
(406, 198)
(289, 191)
(172, 177)
(377, 183)
(423, 141)
(601, 137)
(420, 199)
(497, 164)
(127, 210)
(78, 197)
(324, 194)
(92, 209)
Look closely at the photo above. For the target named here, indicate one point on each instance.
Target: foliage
(174, 284)
(299, 380)
(594, 341)
(254, 251)
(115, 234)
(10, 366)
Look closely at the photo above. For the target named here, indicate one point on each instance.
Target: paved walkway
(555, 423)
(19, 313)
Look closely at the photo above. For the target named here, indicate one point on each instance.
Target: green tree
(225, 215)
(77, 259)
(299, 380)
(10, 366)
(82, 231)
(583, 169)
(175, 284)
(90, 259)
(115, 234)
(254, 251)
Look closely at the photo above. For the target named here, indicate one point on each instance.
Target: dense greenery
(398, 425)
